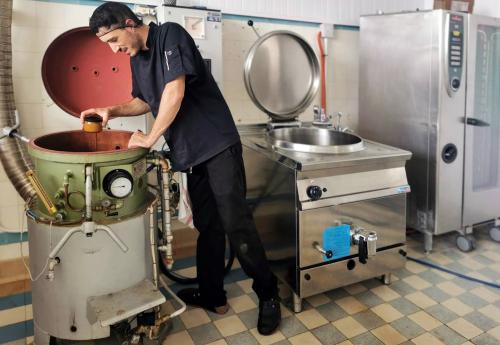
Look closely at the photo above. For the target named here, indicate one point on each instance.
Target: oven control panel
(455, 51)
(343, 188)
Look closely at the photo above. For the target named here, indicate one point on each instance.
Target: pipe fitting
(53, 262)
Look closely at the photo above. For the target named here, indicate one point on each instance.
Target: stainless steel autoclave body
(330, 207)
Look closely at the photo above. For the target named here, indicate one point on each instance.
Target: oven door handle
(476, 122)
(362, 250)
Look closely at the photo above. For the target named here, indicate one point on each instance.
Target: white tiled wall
(342, 69)
(345, 12)
(36, 24)
(487, 8)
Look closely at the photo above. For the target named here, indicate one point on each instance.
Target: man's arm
(134, 107)
(170, 103)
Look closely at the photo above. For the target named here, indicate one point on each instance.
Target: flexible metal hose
(13, 154)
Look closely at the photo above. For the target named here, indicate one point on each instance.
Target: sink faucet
(339, 127)
(320, 117)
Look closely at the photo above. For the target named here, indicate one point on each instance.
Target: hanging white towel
(185, 214)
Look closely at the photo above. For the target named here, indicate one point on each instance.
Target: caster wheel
(472, 240)
(495, 234)
(465, 243)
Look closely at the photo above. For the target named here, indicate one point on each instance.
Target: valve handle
(328, 253)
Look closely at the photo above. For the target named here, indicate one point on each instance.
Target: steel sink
(315, 140)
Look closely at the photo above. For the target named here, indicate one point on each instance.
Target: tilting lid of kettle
(281, 74)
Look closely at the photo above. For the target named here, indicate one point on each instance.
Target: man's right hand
(105, 113)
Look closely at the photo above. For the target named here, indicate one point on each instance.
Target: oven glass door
(482, 129)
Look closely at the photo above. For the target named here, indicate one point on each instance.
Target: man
(170, 79)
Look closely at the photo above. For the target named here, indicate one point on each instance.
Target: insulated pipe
(88, 192)
(152, 239)
(13, 153)
(166, 214)
(87, 228)
(162, 163)
(63, 241)
(12, 131)
(112, 234)
(176, 298)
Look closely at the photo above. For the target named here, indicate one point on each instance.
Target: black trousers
(217, 188)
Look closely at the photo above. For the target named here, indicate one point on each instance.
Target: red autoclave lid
(81, 72)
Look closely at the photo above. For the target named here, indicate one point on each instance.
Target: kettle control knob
(314, 192)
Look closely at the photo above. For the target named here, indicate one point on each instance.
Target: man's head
(115, 23)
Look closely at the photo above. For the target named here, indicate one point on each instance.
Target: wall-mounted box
(454, 5)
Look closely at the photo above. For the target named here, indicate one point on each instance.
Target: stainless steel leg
(428, 237)
(387, 278)
(297, 303)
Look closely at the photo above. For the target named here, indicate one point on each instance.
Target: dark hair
(111, 13)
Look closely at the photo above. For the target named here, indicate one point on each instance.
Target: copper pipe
(67, 195)
(323, 73)
(13, 154)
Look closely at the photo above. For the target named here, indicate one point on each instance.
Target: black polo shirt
(204, 126)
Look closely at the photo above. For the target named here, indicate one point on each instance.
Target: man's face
(120, 38)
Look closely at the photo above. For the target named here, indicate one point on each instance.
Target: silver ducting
(13, 153)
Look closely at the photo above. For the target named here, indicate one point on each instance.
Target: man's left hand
(139, 139)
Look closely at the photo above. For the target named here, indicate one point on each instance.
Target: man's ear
(130, 23)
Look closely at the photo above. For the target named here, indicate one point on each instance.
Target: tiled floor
(422, 306)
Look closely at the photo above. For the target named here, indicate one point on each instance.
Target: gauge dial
(195, 26)
(118, 183)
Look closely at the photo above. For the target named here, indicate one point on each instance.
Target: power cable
(440, 268)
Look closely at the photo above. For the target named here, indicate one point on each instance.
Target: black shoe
(269, 316)
(193, 297)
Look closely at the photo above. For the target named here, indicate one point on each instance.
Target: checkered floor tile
(422, 306)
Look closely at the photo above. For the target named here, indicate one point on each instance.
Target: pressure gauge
(195, 26)
(118, 183)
